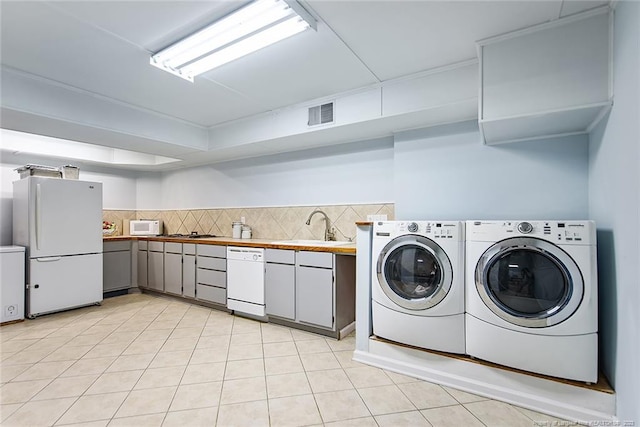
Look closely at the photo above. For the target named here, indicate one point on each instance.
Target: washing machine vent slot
(321, 114)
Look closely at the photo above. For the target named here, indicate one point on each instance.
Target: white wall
(447, 173)
(614, 202)
(119, 187)
(358, 172)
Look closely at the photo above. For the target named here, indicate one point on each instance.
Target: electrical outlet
(11, 310)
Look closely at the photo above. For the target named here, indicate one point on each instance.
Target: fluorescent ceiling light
(257, 25)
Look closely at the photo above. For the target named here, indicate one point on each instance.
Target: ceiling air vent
(321, 114)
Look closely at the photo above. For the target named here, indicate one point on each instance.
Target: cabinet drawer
(211, 277)
(211, 293)
(174, 248)
(116, 246)
(142, 245)
(212, 263)
(212, 250)
(156, 246)
(315, 259)
(189, 248)
(280, 256)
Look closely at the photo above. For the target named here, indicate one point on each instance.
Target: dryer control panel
(453, 230)
(560, 232)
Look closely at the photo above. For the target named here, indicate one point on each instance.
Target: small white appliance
(418, 283)
(245, 280)
(532, 296)
(59, 221)
(145, 227)
(11, 283)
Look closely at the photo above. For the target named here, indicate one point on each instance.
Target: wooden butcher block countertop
(347, 249)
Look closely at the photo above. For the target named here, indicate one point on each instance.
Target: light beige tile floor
(140, 360)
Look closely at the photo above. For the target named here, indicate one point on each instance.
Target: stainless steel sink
(312, 242)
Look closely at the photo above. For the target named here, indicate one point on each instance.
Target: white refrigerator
(59, 221)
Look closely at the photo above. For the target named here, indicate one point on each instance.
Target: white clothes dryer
(418, 283)
(532, 296)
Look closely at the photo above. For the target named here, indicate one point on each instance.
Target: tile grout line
(114, 361)
(224, 372)
(185, 368)
(98, 377)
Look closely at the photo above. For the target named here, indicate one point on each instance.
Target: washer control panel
(453, 230)
(565, 232)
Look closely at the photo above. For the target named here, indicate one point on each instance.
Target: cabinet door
(156, 271)
(142, 269)
(314, 296)
(280, 283)
(116, 272)
(173, 273)
(189, 276)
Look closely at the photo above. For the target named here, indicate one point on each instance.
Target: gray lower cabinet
(314, 295)
(189, 270)
(211, 273)
(314, 288)
(142, 257)
(173, 268)
(280, 283)
(116, 271)
(310, 290)
(155, 274)
(325, 291)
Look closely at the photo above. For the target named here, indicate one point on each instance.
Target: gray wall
(614, 203)
(358, 172)
(447, 173)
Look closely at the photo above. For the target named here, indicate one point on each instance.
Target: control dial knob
(412, 227)
(525, 227)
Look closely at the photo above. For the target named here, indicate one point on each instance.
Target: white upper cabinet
(550, 80)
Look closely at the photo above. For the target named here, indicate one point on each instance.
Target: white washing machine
(418, 283)
(532, 296)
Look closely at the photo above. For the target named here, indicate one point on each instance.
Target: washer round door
(414, 272)
(529, 282)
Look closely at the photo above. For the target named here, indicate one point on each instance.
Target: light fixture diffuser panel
(250, 28)
(249, 45)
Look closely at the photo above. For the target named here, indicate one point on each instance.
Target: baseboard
(347, 330)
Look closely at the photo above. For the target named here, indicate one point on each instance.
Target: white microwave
(145, 227)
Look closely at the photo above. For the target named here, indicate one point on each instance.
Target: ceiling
(102, 49)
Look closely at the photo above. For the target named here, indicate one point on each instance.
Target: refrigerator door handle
(49, 259)
(38, 216)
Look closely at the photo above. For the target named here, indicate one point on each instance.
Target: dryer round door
(529, 282)
(414, 272)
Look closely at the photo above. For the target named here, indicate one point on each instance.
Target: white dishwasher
(245, 280)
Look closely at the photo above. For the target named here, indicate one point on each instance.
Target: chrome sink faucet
(329, 233)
